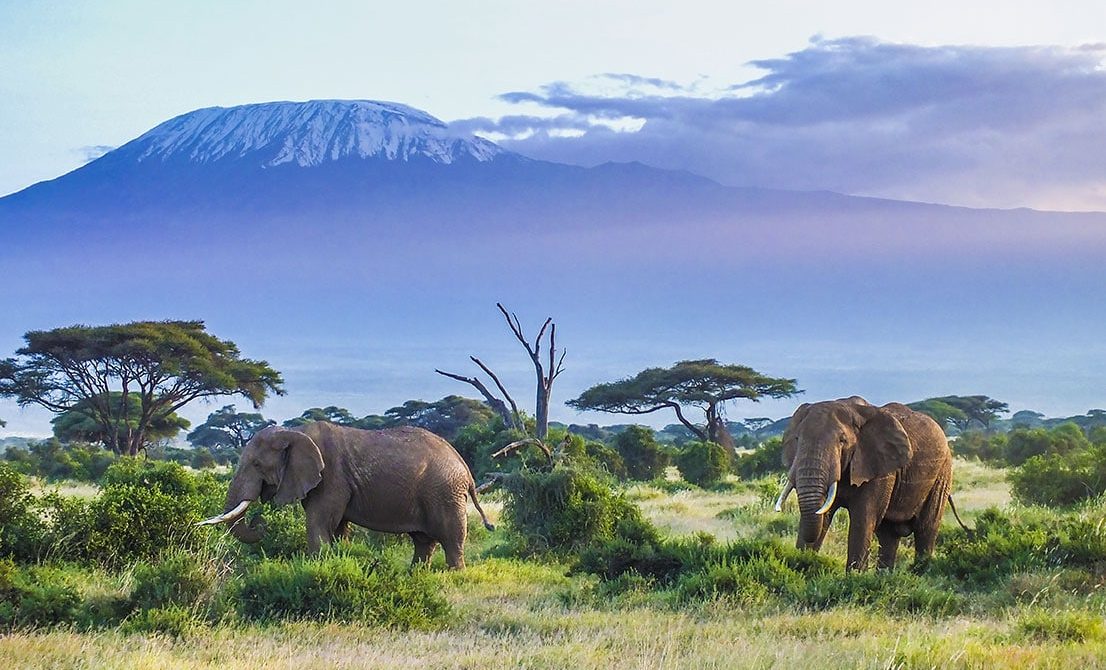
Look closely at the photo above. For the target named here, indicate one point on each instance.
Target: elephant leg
(861, 529)
(321, 524)
(454, 529)
(928, 522)
(888, 546)
(424, 548)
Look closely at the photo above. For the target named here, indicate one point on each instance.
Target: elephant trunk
(812, 483)
(242, 491)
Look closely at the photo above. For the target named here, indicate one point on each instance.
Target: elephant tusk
(783, 496)
(831, 495)
(232, 515)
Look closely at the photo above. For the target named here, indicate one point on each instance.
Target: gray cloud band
(971, 125)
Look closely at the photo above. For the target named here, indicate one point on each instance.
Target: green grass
(509, 612)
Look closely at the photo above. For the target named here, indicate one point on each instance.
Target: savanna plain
(707, 578)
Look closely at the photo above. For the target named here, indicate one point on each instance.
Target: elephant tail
(476, 502)
(957, 515)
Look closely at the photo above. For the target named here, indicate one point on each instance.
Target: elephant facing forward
(889, 466)
(401, 480)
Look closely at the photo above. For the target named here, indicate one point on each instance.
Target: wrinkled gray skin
(401, 480)
(893, 468)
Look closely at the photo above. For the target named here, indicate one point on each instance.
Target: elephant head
(278, 465)
(840, 442)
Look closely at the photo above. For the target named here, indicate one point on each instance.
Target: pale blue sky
(78, 75)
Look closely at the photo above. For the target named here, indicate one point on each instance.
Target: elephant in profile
(889, 466)
(400, 480)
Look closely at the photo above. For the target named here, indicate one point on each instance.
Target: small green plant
(177, 580)
(36, 596)
(1060, 626)
(342, 588)
(173, 621)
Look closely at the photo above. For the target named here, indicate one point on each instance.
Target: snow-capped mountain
(307, 134)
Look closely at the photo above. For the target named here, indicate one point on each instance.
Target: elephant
(398, 480)
(890, 466)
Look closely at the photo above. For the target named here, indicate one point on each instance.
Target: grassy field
(515, 613)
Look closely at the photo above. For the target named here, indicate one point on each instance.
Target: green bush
(563, 510)
(644, 457)
(703, 463)
(1025, 443)
(21, 532)
(128, 523)
(1002, 544)
(340, 588)
(1062, 479)
(173, 621)
(36, 596)
(52, 460)
(977, 445)
(178, 580)
(767, 459)
(285, 532)
(898, 592)
(67, 524)
(163, 476)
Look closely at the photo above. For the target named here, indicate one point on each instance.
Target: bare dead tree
(545, 376)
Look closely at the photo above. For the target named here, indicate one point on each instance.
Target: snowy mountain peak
(308, 134)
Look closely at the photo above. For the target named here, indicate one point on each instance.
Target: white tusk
(783, 496)
(228, 516)
(831, 495)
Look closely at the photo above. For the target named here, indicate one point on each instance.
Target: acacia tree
(546, 375)
(961, 411)
(227, 430)
(705, 384)
(81, 425)
(340, 416)
(165, 364)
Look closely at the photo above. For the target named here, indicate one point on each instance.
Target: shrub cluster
(644, 457)
(143, 508)
(703, 463)
(562, 510)
(1002, 544)
(757, 572)
(53, 461)
(341, 588)
(767, 459)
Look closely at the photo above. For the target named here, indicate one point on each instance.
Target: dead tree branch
(522, 443)
(495, 403)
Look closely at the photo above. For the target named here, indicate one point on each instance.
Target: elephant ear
(791, 435)
(883, 447)
(303, 467)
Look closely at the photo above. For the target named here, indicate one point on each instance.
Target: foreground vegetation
(698, 578)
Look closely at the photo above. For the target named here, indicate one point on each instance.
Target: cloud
(984, 126)
(92, 152)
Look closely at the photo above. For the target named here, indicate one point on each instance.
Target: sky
(982, 104)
